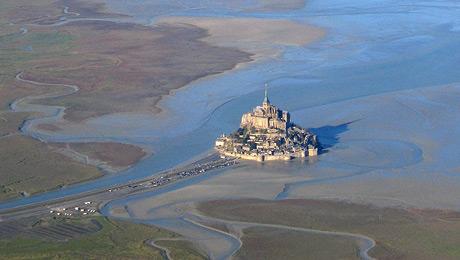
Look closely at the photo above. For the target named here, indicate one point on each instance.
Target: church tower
(266, 102)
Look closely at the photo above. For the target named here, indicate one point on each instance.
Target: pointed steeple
(266, 95)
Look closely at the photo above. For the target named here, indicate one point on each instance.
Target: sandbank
(388, 150)
(262, 37)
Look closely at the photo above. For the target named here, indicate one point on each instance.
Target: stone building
(266, 134)
(266, 116)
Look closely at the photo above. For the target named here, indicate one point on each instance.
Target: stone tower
(266, 116)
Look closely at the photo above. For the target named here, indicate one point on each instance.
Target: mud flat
(29, 166)
(277, 5)
(392, 149)
(272, 243)
(136, 73)
(173, 204)
(113, 157)
(263, 37)
(399, 233)
(370, 159)
(66, 79)
(48, 12)
(414, 162)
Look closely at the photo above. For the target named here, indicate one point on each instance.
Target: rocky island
(267, 134)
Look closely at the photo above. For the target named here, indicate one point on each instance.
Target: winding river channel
(372, 48)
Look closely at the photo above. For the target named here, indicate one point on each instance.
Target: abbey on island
(267, 134)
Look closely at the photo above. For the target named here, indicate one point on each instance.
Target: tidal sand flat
(136, 68)
(31, 166)
(406, 143)
(102, 89)
(145, 11)
(380, 91)
(112, 157)
(263, 37)
(362, 143)
(277, 5)
(54, 74)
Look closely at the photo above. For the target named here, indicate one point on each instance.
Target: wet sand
(99, 85)
(385, 146)
(386, 150)
(68, 77)
(278, 5)
(415, 166)
(144, 64)
(263, 37)
(112, 157)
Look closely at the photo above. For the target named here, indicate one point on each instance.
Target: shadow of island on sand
(329, 135)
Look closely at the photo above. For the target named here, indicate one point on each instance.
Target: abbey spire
(266, 101)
